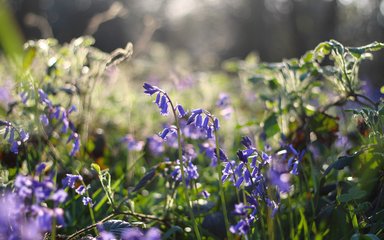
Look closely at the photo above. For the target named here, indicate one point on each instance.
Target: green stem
(221, 188)
(53, 232)
(184, 180)
(92, 215)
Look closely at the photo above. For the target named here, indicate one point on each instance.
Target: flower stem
(184, 180)
(221, 188)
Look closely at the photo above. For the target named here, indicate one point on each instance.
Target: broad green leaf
(353, 194)
(146, 179)
(341, 163)
(271, 127)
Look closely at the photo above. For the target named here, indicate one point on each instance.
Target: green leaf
(358, 51)
(353, 194)
(116, 227)
(173, 230)
(256, 79)
(340, 163)
(146, 179)
(28, 57)
(271, 127)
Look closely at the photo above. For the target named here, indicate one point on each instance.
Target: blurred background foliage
(210, 30)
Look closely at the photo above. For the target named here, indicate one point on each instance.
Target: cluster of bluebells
(202, 119)
(9, 132)
(62, 115)
(76, 182)
(256, 172)
(24, 213)
(190, 170)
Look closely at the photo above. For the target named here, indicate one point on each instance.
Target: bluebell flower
(155, 145)
(70, 180)
(87, 200)
(190, 171)
(59, 196)
(280, 180)
(181, 111)
(44, 98)
(137, 234)
(149, 89)
(24, 97)
(74, 137)
(104, 235)
(205, 193)
(132, 144)
(241, 228)
(40, 168)
(164, 133)
(80, 190)
(152, 234)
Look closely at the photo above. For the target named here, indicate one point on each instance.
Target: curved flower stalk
(162, 101)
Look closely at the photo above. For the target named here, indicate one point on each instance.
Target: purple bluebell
(44, 98)
(189, 168)
(155, 145)
(216, 124)
(280, 180)
(104, 235)
(205, 193)
(59, 196)
(44, 120)
(24, 97)
(87, 201)
(74, 137)
(40, 168)
(71, 179)
(132, 234)
(24, 136)
(132, 144)
(241, 228)
(80, 190)
(137, 234)
(164, 133)
(181, 111)
(163, 105)
(149, 89)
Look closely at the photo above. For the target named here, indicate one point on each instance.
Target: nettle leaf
(354, 193)
(271, 127)
(116, 227)
(149, 176)
(341, 163)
